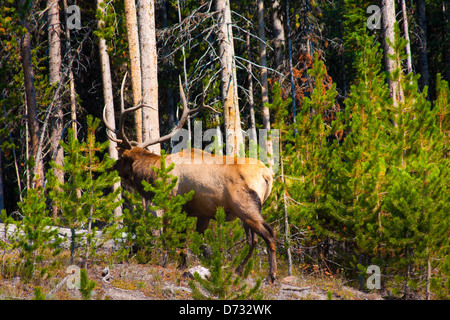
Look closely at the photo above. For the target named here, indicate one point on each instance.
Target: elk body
(240, 186)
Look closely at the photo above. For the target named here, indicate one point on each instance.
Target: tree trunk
(446, 48)
(251, 102)
(423, 55)
(185, 74)
(135, 61)
(32, 116)
(428, 292)
(149, 72)
(232, 119)
(108, 97)
(388, 20)
(264, 83)
(287, 233)
(406, 35)
(342, 51)
(291, 73)
(278, 32)
(73, 101)
(54, 32)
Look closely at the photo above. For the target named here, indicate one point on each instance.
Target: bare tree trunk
(185, 73)
(279, 37)
(27, 152)
(108, 96)
(135, 61)
(287, 233)
(428, 292)
(406, 35)
(232, 119)
(54, 32)
(219, 137)
(54, 39)
(342, 51)
(73, 101)
(291, 73)
(388, 20)
(264, 83)
(32, 116)
(446, 48)
(149, 72)
(423, 55)
(250, 92)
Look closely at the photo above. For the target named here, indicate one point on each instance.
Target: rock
(291, 280)
(202, 272)
(122, 294)
(294, 288)
(173, 289)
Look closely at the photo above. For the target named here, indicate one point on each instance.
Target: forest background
(358, 90)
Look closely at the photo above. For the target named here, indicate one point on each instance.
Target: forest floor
(133, 281)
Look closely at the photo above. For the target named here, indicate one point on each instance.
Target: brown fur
(241, 189)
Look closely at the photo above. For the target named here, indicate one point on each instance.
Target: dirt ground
(133, 281)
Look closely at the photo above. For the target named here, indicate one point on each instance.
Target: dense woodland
(360, 97)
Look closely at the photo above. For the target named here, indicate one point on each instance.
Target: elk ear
(120, 150)
(126, 155)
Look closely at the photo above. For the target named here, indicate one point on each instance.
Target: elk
(240, 186)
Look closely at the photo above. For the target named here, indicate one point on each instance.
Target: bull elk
(240, 187)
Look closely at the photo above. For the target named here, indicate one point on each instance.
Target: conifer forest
(347, 103)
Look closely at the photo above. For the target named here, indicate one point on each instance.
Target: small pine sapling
(82, 198)
(86, 286)
(223, 283)
(34, 234)
(144, 226)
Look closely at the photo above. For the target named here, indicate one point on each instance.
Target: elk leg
(269, 236)
(183, 255)
(202, 225)
(251, 240)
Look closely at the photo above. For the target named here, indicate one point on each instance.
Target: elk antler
(120, 133)
(186, 112)
(122, 138)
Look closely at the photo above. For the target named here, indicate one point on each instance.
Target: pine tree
(415, 226)
(314, 127)
(358, 168)
(86, 285)
(223, 284)
(305, 150)
(177, 227)
(144, 227)
(82, 198)
(354, 24)
(34, 234)
(442, 104)
(140, 226)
